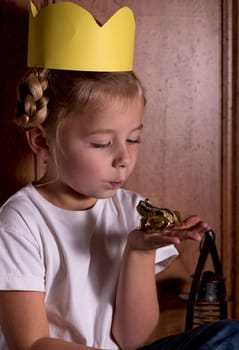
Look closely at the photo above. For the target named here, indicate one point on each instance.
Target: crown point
(33, 9)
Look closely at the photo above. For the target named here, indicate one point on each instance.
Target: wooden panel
(230, 155)
(178, 57)
(227, 147)
(15, 156)
(236, 184)
(179, 49)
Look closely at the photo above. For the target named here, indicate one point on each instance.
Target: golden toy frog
(155, 219)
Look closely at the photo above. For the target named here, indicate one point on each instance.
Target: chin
(106, 194)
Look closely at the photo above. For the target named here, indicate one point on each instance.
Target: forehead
(112, 114)
(101, 99)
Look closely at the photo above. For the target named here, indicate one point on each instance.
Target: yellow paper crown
(66, 36)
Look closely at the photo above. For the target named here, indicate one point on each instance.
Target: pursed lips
(116, 183)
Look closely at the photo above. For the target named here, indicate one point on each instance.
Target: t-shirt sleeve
(21, 265)
(164, 256)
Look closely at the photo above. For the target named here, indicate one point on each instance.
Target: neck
(63, 196)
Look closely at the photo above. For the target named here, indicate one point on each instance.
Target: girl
(76, 273)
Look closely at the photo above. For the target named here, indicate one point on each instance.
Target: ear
(37, 140)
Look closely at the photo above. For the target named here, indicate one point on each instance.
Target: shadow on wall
(16, 158)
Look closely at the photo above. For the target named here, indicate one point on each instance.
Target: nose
(122, 158)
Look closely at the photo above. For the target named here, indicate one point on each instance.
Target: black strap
(208, 246)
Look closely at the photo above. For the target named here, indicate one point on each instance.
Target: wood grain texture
(230, 152)
(184, 54)
(15, 156)
(235, 275)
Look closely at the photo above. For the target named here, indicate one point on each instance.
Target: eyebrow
(109, 131)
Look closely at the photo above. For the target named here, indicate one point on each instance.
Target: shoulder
(21, 195)
(19, 207)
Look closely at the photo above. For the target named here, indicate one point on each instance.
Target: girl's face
(97, 153)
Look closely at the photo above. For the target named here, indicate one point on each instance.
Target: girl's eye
(138, 140)
(100, 145)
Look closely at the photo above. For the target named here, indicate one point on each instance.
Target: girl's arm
(136, 310)
(24, 323)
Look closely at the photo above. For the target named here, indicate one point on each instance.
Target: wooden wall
(230, 151)
(186, 56)
(235, 187)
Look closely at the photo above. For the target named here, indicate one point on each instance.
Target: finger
(158, 239)
(183, 235)
(193, 224)
(194, 232)
(191, 221)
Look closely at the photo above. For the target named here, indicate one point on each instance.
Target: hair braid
(32, 103)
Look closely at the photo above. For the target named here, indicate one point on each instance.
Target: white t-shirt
(72, 256)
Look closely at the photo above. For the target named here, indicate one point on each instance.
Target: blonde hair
(46, 97)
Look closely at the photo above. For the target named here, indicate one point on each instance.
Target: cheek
(134, 154)
(81, 163)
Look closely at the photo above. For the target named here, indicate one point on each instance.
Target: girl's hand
(192, 228)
